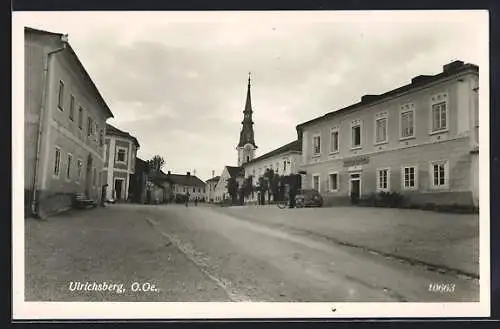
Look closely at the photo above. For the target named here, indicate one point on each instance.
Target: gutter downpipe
(34, 203)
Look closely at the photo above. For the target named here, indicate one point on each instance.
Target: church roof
(295, 146)
(246, 134)
(235, 171)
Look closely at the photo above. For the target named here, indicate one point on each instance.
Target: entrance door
(88, 176)
(355, 187)
(118, 189)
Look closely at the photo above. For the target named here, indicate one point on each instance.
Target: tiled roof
(292, 146)
(184, 180)
(100, 99)
(419, 81)
(213, 179)
(235, 171)
(112, 130)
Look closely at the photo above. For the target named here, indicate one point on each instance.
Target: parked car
(308, 198)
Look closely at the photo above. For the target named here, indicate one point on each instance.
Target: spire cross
(249, 73)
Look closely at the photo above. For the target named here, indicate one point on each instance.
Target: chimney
(213, 173)
(168, 173)
(452, 66)
(368, 98)
(188, 174)
(420, 78)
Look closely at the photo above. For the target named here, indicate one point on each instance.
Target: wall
(452, 144)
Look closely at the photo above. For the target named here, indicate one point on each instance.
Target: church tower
(246, 146)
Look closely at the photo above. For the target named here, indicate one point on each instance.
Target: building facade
(220, 190)
(183, 184)
(120, 153)
(210, 188)
(65, 118)
(137, 185)
(283, 161)
(420, 140)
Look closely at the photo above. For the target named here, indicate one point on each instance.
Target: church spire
(246, 135)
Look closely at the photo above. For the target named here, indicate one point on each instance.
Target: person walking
(187, 199)
(196, 201)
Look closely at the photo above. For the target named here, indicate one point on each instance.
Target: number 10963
(442, 287)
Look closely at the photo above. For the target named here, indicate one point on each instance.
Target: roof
(213, 179)
(184, 180)
(235, 171)
(112, 130)
(86, 75)
(140, 165)
(295, 146)
(449, 70)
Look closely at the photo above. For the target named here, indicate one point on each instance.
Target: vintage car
(308, 198)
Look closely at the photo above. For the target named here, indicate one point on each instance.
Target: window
(284, 166)
(57, 161)
(334, 141)
(439, 174)
(409, 178)
(194, 189)
(407, 121)
(80, 118)
(89, 126)
(79, 165)
(333, 181)
(121, 155)
(439, 116)
(101, 137)
(68, 168)
(72, 108)
(199, 189)
(277, 167)
(60, 100)
(381, 130)
(383, 179)
(356, 135)
(315, 182)
(317, 145)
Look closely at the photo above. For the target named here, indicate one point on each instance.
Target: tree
(247, 186)
(155, 164)
(263, 186)
(273, 181)
(232, 188)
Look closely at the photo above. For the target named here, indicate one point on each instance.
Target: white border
(61, 310)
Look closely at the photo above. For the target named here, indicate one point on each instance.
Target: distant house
(183, 184)
(210, 188)
(64, 122)
(221, 192)
(120, 150)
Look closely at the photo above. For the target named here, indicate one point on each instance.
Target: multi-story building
(64, 123)
(210, 188)
(283, 161)
(420, 140)
(184, 184)
(120, 152)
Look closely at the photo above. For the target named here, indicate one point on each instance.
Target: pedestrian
(187, 199)
(103, 195)
(196, 201)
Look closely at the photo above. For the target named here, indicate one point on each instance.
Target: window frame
(69, 160)
(334, 130)
(403, 178)
(319, 181)
(57, 162)
(446, 174)
(79, 167)
(118, 148)
(381, 116)
(72, 103)
(314, 137)
(80, 117)
(337, 181)
(435, 100)
(60, 96)
(407, 108)
(388, 180)
(354, 124)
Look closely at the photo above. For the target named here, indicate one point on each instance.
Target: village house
(210, 188)
(181, 185)
(64, 124)
(283, 161)
(420, 140)
(220, 190)
(120, 151)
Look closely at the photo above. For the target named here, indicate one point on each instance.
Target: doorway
(88, 175)
(118, 189)
(355, 188)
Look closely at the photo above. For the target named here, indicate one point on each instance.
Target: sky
(177, 81)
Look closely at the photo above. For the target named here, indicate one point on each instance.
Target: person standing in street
(187, 199)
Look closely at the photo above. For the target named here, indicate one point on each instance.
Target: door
(355, 188)
(118, 189)
(88, 176)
